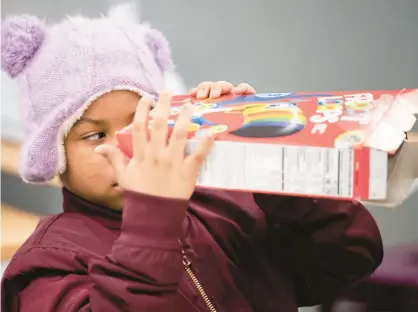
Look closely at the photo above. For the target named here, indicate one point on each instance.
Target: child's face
(88, 174)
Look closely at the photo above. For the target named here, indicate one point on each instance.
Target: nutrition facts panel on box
(315, 170)
(276, 168)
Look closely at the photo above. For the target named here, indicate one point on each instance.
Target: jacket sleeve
(140, 274)
(330, 244)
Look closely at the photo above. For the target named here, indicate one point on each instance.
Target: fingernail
(99, 149)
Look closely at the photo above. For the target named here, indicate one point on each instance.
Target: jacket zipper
(199, 287)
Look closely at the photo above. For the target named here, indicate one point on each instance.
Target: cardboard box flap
(402, 171)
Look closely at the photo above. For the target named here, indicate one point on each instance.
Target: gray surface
(41, 199)
(398, 226)
(282, 45)
(286, 45)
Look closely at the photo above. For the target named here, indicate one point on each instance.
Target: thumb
(113, 155)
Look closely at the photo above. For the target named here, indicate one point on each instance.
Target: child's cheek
(83, 156)
(96, 169)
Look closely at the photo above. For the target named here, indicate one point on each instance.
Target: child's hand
(159, 167)
(216, 89)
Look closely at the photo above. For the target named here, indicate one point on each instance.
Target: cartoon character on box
(269, 120)
(264, 116)
(198, 119)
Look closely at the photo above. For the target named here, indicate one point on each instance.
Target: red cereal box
(328, 144)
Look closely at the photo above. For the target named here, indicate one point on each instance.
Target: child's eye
(95, 137)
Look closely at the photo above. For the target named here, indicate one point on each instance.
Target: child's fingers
(220, 88)
(198, 156)
(159, 127)
(243, 88)
(215, 91)
(114, 156)
(212, 90)
(140, 127)
(203, 90)
(178, 138)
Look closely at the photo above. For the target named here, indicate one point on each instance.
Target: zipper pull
(186, 261)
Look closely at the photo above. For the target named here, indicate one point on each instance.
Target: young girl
(135, 235)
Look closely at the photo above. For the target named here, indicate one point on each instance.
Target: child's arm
(331, 244)
(141, 273)
(145, 266)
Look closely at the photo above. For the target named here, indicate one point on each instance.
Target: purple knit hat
(63, 68)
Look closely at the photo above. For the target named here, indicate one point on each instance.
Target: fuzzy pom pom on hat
(63, 68)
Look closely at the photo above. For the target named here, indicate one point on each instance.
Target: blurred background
(278, 46)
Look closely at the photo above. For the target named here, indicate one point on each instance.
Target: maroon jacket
(251, 253)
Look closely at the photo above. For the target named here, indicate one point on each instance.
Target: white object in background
(395, 116)
(175, 83)
(10, 116)
(401, 114)
(386, 137)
